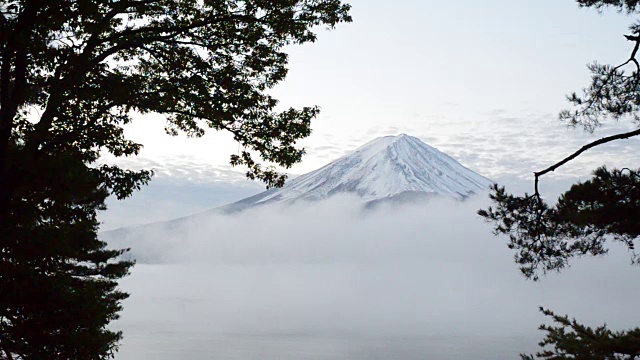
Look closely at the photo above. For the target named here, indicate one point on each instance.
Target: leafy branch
(570, 340)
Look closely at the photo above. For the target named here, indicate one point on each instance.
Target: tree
(572, 340)
(71, 75)
(604, 208)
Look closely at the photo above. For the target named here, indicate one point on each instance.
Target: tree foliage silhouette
(604, 208)
(71, 75)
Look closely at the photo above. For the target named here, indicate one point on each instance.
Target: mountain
(390, 167)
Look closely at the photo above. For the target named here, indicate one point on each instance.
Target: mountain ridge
(389, 169)
(382, 168)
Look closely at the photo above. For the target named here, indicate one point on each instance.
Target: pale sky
(480, 80)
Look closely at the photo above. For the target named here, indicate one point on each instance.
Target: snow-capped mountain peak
(391, 168)
(383, 168)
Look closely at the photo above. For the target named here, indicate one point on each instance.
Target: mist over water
(329, 280)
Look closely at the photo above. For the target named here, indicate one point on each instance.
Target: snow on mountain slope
(383, 168)
(395, 169)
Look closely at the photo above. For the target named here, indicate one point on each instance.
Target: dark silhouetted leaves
(570, 340)
(605, 208)
(72, 73)
(545, 238)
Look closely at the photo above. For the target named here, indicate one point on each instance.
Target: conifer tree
(604, 208)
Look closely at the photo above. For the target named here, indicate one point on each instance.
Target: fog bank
(423, 280)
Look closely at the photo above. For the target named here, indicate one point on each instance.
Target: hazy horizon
(482, 82)
(330, 280)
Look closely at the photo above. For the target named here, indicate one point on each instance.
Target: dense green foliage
(71, 74)
(604, 208)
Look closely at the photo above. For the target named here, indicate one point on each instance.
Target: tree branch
(633, 53)
(176, 30)
(632, 58)
(85, 62)
(580, 151)
(103, 24)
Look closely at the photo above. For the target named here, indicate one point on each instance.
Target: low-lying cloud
(277, 282)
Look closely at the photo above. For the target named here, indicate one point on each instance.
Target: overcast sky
(482, 81)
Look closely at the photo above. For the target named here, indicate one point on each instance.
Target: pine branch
(580, 151)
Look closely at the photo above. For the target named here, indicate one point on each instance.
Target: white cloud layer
(331, 281)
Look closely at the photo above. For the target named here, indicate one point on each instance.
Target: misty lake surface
(235, 316)
(328, 282)
(168, 344)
